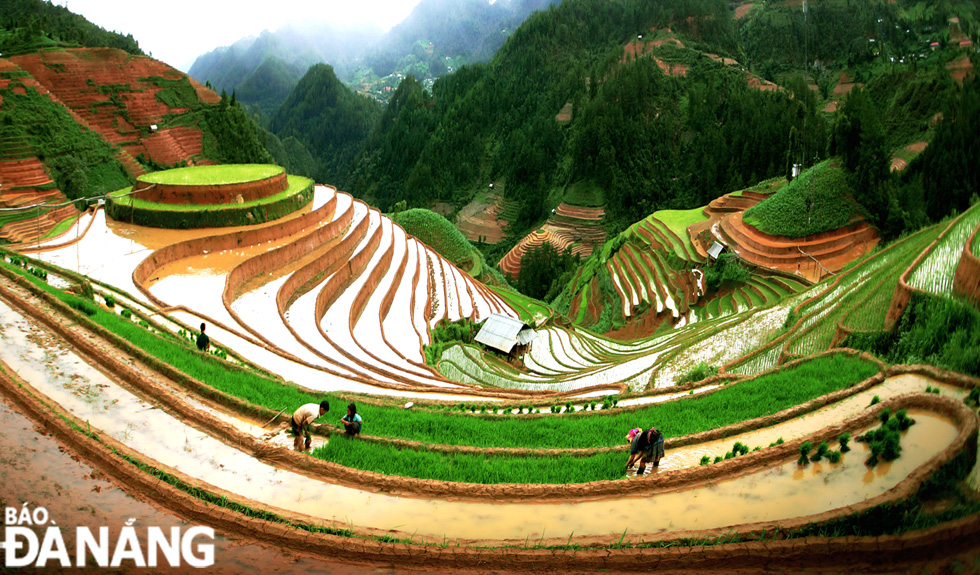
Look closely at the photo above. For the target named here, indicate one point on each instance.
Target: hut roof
(502, 332)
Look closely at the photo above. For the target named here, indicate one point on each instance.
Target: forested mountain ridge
(28, 25)
(437, 37)
(328, 118)
(263, 70)
(652, 139)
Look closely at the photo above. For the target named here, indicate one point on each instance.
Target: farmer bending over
(351, 421)
(301, 421)
(645, 446)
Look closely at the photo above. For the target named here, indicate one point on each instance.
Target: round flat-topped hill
(211, 196)
(206, 185)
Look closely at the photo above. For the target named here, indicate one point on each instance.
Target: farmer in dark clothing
(203, 341)
(645, 446)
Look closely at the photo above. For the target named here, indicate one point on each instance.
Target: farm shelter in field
(506, 334)
(715, 250)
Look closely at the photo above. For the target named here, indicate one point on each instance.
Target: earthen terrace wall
(200, 246)
(846, 551)
(966, 281)
(903, 291)
(213, 194)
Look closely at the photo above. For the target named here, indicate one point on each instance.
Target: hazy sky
(178, 31)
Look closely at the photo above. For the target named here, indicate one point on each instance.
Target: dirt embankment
(966, 281)
(479, 220)
(850, 552)
(212, 194)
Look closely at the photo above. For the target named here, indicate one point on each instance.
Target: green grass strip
(761, 396)
(678, 221)
(467, 467)
(212, 175)
(745, 400)
(738, 402)
(296, 185)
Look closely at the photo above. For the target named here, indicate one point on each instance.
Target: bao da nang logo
(32, 539)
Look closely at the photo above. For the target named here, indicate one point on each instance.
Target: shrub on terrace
(697, 373)
(447, 334)
(819, 200)
(938, 331)
(438, 233)
(728, 271)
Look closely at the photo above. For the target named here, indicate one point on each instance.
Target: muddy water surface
(34, 468)
(780, 492)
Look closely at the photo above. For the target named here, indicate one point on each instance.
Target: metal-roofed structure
(503, 333)
(715, 250)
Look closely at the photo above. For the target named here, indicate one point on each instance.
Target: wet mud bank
(36, 468)
(850, 553)
(409, 487)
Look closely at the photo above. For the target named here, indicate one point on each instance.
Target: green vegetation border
(222, 174)
(154, 215)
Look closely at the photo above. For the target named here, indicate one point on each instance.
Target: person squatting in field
(645, 446)
(351, 421)
(301, 421)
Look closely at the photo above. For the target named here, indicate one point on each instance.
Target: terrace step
(832, 249)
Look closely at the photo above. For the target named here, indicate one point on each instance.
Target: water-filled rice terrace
(499, 463)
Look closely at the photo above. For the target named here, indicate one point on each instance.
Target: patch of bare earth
(565, 114)
(478, 221)
(899, 162)
(960, 68)
(743, 9)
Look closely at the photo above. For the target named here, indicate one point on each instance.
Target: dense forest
(27, 25)
(670, 121)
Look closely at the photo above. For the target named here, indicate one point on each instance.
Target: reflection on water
(779, 492)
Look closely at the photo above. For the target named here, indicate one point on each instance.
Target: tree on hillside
(948, 169)
(544, 271)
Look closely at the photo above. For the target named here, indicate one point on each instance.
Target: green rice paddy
(212, 175)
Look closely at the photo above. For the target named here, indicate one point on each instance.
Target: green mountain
(28, 25)
(672, 105)
(263, 70)
(329, 119)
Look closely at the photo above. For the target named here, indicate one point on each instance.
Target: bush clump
(699, 372)
(819, 200)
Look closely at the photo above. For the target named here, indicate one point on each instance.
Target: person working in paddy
(301, 421)
(351, 421)
(203, 341)
(645, 446)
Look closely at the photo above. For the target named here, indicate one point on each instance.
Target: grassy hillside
(28, 25)
(819, 200)
(81, 163)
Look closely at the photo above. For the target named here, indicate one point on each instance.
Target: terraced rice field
(337, 302)
(935, 273)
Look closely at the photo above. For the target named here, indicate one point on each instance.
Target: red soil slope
(479, 220)
(112, 93)
(833, 250)
(19, 183)
(569, 225)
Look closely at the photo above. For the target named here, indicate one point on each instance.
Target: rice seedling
(805, 448)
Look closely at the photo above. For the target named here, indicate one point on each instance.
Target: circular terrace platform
(211, 196)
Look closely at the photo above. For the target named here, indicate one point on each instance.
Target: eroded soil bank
(776, 493)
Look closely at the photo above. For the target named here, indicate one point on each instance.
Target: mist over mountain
(437, 37)
(264, 69)
(441, 33)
